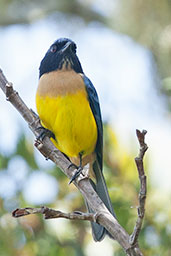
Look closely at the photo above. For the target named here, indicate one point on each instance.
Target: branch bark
(103, 216)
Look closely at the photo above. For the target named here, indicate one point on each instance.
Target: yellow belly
(70, 118)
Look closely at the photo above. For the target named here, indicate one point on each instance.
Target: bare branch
(143, 186)
(103, 217)
(53, 214)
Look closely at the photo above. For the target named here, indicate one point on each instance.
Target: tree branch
(103, 216)
(143, 186)
(54, 214)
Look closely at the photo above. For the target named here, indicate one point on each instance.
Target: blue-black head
(61, 54)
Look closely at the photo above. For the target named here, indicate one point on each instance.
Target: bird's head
(61, 55)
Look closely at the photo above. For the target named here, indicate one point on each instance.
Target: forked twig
(143, 186)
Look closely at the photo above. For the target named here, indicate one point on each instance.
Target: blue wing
(95, 107)
(100, 186)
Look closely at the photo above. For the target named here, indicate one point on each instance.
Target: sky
(122, 71)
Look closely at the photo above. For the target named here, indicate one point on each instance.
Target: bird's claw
(77, 173)
(44, 132)
(72, 165)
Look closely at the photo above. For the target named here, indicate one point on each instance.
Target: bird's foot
(43, 133)
(77, 173)
(72, 165)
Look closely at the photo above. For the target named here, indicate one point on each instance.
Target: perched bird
(68, 107)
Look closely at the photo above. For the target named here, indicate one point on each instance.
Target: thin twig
(143, 186)
(53, 214)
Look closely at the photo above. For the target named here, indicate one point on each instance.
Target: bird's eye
(53, 48)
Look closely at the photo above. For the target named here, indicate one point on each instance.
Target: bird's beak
(67, 46)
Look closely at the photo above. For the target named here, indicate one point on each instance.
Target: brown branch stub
(143, 186)
(9, 90)
(20, 212)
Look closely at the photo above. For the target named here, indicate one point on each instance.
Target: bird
(68, 107)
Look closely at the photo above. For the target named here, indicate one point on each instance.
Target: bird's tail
(100, 187)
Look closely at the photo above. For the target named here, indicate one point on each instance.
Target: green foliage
(25, 150)
(3, 161)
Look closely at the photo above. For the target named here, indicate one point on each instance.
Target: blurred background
(125, 49)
